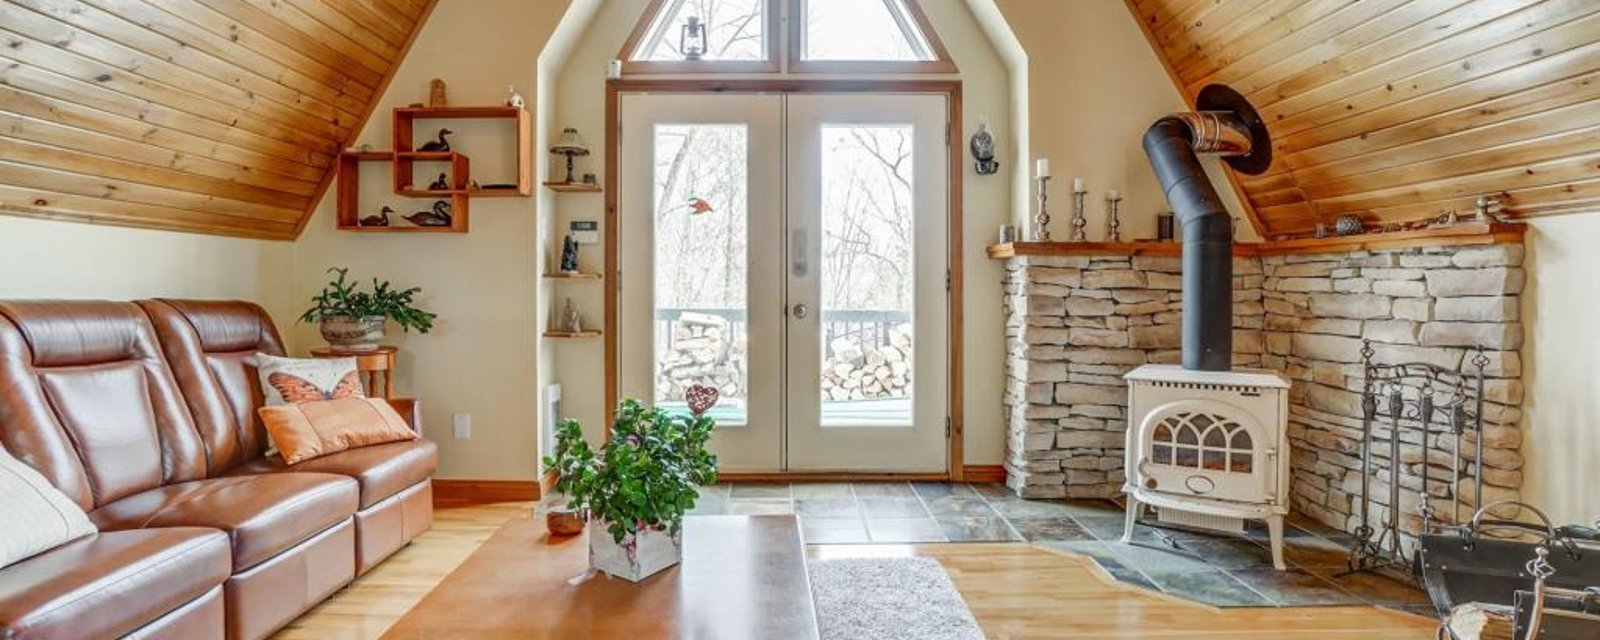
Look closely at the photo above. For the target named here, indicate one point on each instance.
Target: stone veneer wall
(1076, 324)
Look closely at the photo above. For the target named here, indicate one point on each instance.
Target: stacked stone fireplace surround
(1076, 324)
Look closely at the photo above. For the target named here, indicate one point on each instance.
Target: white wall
(1561, 358)
(481, 358)
(52, 259)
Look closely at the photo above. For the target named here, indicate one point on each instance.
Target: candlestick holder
(1041, 221)
(1080, 224)
(1113, 218)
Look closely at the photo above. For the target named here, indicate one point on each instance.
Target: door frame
(951, 89)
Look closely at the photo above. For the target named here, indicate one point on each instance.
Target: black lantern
(692, 40)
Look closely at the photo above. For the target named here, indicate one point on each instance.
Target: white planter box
(655, 550)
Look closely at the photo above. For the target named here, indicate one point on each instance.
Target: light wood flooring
(1015, 590)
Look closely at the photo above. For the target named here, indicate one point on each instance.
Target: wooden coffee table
(742, 577)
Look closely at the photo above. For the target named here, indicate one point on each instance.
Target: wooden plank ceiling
(1399, 110)
(211, 116)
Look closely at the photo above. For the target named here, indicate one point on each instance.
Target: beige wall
(1562, 361)
(1093, 86)
(481, 358)
(51, 259)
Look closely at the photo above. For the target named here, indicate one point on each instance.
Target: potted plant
(637, 486)
(355, 320)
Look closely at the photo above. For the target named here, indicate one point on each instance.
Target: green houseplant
(636, 487)
(355, 319)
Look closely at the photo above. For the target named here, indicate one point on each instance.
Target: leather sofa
(144, 414)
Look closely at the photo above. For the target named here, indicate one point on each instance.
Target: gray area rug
(888, 599)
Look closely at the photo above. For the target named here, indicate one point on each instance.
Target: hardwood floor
(1016, 591)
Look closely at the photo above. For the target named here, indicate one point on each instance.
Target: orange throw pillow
(311, 429)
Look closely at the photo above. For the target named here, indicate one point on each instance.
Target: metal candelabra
(1113, 220)
(1079, 223)
(1041, 221)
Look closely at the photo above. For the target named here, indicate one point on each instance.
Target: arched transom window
(797, 36)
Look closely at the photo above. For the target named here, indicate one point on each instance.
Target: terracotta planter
(353, 334)
(644, 555)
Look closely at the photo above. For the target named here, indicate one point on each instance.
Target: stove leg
(1275, 533)
(1133, 518)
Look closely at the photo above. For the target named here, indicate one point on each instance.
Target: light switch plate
(463, 425)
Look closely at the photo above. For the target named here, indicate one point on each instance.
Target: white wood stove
(1209, 449)
(1207, 443)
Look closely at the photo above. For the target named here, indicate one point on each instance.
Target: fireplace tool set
(1442, 403)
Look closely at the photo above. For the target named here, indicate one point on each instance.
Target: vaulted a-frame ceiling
(1400, 110)
(212, 116)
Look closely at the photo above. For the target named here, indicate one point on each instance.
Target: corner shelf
(571, 335)
(573, 276)
(348, 202)
(574, 187)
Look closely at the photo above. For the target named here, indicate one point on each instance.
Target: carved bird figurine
(438, 217)
(441, 144)
(442, 184)
(380, 220)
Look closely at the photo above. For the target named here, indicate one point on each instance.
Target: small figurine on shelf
(571, 320)
(514, 99)
(442, 184)
(380, 220)
(436, 94)
(569, 255)
(442, 144)
(438, 217)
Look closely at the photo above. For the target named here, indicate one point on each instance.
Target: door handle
(800, 311)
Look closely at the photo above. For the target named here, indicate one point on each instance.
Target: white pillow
(38, 517)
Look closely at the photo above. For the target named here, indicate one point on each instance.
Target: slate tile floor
(1220, 570)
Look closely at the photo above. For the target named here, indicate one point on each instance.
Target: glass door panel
(867, 277)
(702, 265)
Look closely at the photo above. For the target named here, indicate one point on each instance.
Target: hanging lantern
(692, 40)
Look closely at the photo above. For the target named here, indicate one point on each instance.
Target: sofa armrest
(410, 409)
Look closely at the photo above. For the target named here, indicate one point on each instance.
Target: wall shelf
(574, 187)
(348, 213)
(573, 276)
(1466, 233)
(571, 335)
(405, 142)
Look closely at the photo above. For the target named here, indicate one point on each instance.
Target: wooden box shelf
(571, 335)
(405, 143)
(348, 212)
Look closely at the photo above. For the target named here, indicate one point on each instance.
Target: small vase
(651, 551)
(351, 333)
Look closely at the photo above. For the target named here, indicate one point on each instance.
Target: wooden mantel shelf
(1462, 234)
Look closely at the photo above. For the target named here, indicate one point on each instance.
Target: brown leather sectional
(144, 414)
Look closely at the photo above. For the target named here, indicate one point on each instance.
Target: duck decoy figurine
(441, 144)
(438, 217)
(442, 184)
(380, 220)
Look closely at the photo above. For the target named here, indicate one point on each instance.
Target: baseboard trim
(458, 493)
(829, 476)
(984, 473)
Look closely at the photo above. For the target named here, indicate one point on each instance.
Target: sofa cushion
(310, 430)
(110, 584)
(37, 515)
(263, 515)
(382, 470)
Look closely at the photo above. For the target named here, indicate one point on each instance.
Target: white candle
(1077, 185)
(1041, 168)
(1114, 194)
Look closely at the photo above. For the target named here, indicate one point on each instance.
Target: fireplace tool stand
(1441, 402)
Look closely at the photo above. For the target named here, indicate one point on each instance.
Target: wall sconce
(692, 39)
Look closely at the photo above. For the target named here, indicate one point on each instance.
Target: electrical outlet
(463, 425)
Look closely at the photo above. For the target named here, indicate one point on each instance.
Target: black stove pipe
(1226, 124)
